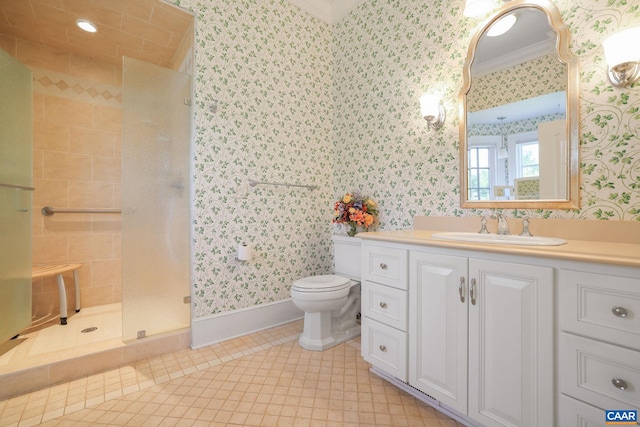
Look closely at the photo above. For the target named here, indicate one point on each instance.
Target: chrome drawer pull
(383, 348)
(619, 384)
(619, 311)
(383, 266)
(461, 289)
(383, 304)
(472, 292)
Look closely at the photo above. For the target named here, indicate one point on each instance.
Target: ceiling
(149, 30)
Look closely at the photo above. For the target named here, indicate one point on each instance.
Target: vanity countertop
(614, 253)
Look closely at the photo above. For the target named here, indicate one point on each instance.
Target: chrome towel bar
(48, 211)
(253, 183)
(19, 187)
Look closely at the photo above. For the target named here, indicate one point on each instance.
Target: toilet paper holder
(244, 252)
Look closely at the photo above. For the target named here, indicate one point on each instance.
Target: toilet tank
(346, 256)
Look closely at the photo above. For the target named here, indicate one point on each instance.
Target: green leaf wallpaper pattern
(337, 106)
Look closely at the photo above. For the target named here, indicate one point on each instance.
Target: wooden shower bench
(58, 270)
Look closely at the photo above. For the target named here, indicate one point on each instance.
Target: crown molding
(329, 11)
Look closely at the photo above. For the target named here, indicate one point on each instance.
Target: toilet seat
(321, 283)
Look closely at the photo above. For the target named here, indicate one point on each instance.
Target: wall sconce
(432, 111)
(622, 52)
(478, 8)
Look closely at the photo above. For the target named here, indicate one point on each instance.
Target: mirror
(519, 112)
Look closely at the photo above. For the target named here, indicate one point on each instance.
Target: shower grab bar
(48, 211)
(18, 187)
(253, 183)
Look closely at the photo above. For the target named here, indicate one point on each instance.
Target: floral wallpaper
(263, 112)
(387, 53)
(283, 97)
(540, 76)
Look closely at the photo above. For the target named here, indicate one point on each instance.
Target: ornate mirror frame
(572, 122)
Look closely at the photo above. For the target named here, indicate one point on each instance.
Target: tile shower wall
(77, 160)
(281, 96)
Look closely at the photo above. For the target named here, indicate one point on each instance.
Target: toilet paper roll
(244, 252)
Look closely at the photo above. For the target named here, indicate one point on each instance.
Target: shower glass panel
(155, 200)
(16, 176)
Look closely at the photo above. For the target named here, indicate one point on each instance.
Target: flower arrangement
(354, 210)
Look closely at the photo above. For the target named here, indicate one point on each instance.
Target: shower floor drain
(91, 329)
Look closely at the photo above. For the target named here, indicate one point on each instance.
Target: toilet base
(319, 335)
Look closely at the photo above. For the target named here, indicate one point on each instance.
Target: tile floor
(262, 379)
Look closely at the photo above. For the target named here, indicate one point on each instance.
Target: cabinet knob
(383, 266)
(383, 304)
(619, 384)
(383, 348)
(619, 311)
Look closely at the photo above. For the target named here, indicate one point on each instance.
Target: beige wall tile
(97, 295)
(146, 30)
(106, 223)
(90, 69)
(107, 118)
(90, 195)
(50, 250)
(67, 112)
(38, 163)
(50, 193)
(92, 142)
(91, 247)
(106, 272)
(38, 107)
(50, 136)
(36, 55)
(67, 224)
(107, 169)
(67, 166)
(9, 44)
(37, 226)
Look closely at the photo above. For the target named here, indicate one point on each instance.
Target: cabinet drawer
(600, 306)
(385, 348)
(574, 413)
(387, 266)
(595, 372)
(385, 304)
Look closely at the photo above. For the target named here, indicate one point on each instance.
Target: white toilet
(331, 303)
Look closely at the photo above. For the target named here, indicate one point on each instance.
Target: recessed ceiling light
(87, 25)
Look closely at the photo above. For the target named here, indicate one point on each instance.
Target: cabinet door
(510, 344)
(438, 327)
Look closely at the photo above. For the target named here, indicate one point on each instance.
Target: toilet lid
(321, 283)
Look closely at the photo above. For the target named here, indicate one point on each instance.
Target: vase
(351, 228)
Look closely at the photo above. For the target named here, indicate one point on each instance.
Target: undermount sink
(509, 239)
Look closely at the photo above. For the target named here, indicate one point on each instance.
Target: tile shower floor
(39, 345)
(262, 379)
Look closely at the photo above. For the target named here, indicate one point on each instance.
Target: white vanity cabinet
(384, 309)
(481, 337)
(599, 345)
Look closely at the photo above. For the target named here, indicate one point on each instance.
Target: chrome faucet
(525, 227)
(503, 226)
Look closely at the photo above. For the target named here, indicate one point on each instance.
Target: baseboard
(220, 327)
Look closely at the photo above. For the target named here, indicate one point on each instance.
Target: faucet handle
(483, 223)
(525, 227)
